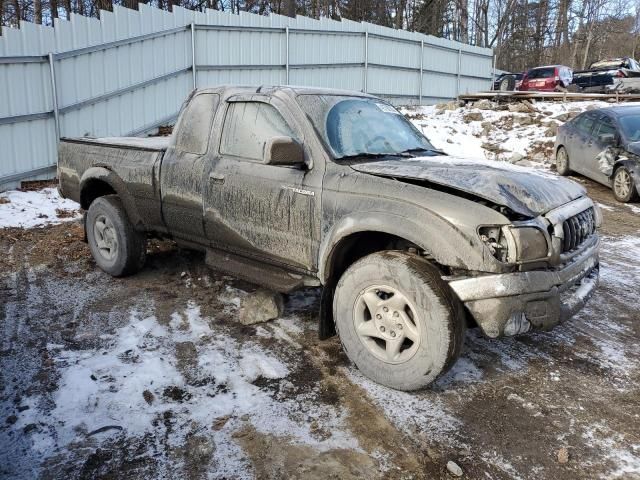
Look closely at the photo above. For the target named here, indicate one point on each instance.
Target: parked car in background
(605, 76)
(508, 81)
(603, 145)
(552, 78)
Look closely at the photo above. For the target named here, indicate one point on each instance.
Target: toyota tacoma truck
(291, 187)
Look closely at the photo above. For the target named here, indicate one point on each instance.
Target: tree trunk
(290, 8)
(37, 11)
(17, 10)
(586, 48)
(53, 4)
(400, 14)
(463, 9)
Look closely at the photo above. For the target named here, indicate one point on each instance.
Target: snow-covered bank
(35, 208)
(521, 132)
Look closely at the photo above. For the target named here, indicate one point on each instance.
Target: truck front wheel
(116, 246)
(398, 321)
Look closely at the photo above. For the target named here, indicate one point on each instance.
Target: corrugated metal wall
(130, 71)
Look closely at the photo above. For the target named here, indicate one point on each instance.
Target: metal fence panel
(130, 70)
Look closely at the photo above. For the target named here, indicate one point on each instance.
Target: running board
(254, 271)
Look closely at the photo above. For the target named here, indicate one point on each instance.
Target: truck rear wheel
(116, 246)
(398, 321)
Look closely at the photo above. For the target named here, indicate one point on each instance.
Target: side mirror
(283, 151)
(607, 138)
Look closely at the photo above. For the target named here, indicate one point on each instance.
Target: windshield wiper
(371, 155)
(420, 149)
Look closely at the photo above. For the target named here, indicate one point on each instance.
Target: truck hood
(523, 190)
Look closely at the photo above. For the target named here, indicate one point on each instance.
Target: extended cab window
(248, 126)
(195, 125)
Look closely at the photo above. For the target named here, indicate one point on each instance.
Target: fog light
(517, 324)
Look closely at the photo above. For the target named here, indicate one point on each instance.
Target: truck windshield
(359, 126)
(630, 125)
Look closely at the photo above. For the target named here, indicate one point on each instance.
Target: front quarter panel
(443, 225)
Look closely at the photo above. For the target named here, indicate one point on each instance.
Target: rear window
(542, 73)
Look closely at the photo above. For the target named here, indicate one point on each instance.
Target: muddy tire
(562, 162)
(116, 246)
(398, 321)
(624, 187)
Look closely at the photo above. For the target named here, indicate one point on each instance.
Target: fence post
(366, 60)
(493, 72)
(286, 32)
(54, 96)
(193, 55)
(458, 73)
(421, 70)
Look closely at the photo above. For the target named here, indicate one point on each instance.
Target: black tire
(507, 84)
(437, 325)
(624, 186)
(562, 162)
(116, 246)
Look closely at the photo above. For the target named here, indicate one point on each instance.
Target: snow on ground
(35, 208)
(127, 385)
(483, 130)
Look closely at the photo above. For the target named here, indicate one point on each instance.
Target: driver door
(257, 210)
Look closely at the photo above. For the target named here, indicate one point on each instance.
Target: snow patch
(35, 208)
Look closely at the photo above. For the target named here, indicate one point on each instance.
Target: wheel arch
(97, 182)
(355, 237)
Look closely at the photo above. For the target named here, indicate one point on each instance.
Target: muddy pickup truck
(292, 187)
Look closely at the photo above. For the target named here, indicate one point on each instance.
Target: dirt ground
(152, 377)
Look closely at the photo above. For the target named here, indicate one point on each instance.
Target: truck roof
(288, 89)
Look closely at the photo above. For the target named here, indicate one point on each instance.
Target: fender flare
(109, 177)
(431, 240)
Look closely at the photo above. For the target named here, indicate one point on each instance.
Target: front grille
(577, 229)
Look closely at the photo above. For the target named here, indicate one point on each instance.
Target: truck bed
(146, 143)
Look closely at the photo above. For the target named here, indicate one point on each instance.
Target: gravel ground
(153, 377)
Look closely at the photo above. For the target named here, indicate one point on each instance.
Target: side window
(584, 124)
(248, 126)
(195, 124)
(604, 127)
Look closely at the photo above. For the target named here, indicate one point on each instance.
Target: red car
(552, 78)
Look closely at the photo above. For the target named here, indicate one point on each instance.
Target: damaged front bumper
(512, 303)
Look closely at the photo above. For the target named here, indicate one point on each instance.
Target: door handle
(216, 177)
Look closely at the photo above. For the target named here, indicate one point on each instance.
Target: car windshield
(630, 125)
(360, 126)
(541, 73)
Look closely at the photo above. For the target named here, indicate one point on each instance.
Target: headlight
(495, 241)
(515, 244)
(530, 243)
